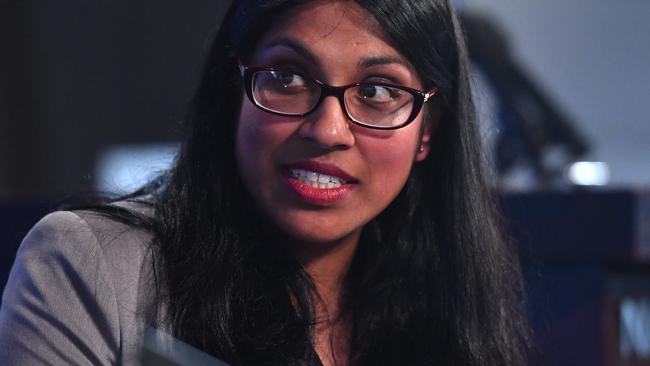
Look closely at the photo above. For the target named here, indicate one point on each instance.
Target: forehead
(332, 29)
(322, 18)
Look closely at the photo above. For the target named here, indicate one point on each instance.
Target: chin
(320, 235)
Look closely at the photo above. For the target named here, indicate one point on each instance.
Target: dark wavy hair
(433, 281)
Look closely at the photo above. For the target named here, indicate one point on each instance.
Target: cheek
(254, 145)
(259, 141)
(247, 139)
(251, 145)
(390, 162)
(255, 138)
(259, 130)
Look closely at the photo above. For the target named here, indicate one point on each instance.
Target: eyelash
(381, 79)
(298, 67)
(289, 65)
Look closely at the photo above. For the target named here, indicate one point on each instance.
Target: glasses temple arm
(430, 94)
(242, 67)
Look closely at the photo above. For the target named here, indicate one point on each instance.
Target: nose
(328, 126)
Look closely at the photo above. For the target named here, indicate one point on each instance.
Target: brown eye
(378, 93)
(283, 79)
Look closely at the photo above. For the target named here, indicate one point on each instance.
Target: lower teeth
(320, 185)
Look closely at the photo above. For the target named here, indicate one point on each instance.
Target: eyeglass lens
(369, 104)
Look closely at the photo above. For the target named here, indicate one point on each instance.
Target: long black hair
(433, 281)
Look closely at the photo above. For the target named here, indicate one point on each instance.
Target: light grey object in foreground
(78, 293)
(162, 349)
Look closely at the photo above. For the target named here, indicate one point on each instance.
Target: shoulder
(98, 246)
(79, 236)
(80, 286)
(86, 226)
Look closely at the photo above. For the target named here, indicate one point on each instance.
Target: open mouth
(319, 184)
(317, 180)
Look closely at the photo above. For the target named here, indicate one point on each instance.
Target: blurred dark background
(92, 94)
(79, 76)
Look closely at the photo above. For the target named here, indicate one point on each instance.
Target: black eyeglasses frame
(419, 97)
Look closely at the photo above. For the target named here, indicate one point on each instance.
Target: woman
(328, 205)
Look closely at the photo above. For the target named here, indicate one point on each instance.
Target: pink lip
(319, 196)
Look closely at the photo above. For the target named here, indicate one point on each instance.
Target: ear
(424, 146)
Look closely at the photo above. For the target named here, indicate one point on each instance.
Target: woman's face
(280, 157)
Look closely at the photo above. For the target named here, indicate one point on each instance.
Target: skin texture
(337, 36)
(334, 39)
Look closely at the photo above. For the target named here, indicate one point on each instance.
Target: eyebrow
(368, 62)
(296, 46)
(364, 63)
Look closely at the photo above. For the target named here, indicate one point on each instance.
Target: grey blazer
(78, 293)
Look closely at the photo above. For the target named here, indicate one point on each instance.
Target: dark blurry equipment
(586, 258)
(533, 131)
(586, 254)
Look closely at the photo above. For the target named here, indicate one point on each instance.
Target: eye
(286, 79)
(378, 93)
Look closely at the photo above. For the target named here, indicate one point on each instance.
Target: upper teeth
(317, 180)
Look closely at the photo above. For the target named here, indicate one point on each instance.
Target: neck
(328, 265)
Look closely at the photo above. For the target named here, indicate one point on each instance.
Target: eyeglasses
(380, 106)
